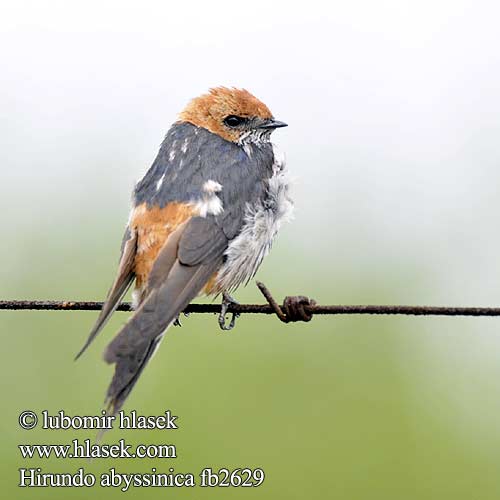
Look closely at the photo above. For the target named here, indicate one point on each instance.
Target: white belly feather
(261, 224)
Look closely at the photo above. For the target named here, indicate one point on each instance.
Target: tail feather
(127, 373)
(119, 288)
(134, 345)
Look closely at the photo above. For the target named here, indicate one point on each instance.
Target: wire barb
(270, 299)
(294, 307)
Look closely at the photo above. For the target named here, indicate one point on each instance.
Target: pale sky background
(393, 107)
(394, 114)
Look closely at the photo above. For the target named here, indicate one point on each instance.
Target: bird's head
(233, 114)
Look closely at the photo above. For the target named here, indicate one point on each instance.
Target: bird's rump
(154, 225)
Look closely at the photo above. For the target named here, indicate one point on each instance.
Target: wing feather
(124, 278)
(171, 287)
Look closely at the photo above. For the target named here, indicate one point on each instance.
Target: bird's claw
(177, 320)
(227, 301)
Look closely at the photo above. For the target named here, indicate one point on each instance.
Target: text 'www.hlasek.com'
(163, 475)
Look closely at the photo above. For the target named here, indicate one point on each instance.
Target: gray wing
(182, 268)
(123, 280)
(189, 156)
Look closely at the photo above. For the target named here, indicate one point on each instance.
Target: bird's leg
(227, 300)
(177, 320)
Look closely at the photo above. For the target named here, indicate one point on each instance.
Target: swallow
(203, 218)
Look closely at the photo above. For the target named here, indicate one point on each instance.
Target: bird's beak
(272, 124)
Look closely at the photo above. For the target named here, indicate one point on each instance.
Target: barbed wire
(294, 308)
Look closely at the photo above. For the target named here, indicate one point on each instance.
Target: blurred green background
(393, 111)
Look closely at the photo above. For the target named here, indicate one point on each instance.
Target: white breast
(261, 224)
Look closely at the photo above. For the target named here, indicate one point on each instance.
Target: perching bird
(203, 218)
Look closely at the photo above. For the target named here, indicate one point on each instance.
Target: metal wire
(307, 306)
(60, 305)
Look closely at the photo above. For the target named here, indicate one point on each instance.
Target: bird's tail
(127, 372)
(134, 345)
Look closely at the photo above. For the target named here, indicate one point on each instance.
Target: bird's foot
(177, 320)
(227, 301)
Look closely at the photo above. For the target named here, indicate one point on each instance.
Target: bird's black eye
(234, 121)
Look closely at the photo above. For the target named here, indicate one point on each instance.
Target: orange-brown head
(233, 114)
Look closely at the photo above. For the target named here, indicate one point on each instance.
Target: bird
(202, 220)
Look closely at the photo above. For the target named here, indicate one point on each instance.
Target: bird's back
(197, 173)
